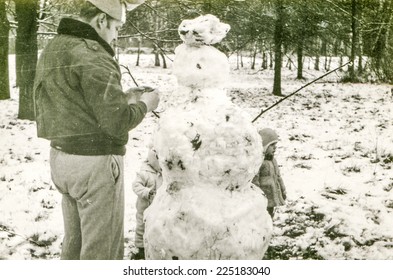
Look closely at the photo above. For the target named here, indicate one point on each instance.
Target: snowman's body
(209, 152)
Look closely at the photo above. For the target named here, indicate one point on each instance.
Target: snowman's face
(203, 30)
(188, 34)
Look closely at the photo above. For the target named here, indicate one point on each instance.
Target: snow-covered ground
(335, 153)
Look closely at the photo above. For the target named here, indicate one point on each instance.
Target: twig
(135, 82)
(159, 14)
(129, 73)
(306, 85)
(39, 244)
(376, 157)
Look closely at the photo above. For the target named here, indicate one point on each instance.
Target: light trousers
(93, 204)
(141, 205)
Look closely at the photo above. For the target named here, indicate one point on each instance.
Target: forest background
(353, 30)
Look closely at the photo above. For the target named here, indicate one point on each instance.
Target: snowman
(209, 152)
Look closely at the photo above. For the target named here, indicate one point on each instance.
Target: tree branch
(306, 85)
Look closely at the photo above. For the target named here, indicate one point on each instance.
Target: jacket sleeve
(140, 185)
(100, 78)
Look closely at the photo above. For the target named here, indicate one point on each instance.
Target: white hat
(132, 4)
(116, 8)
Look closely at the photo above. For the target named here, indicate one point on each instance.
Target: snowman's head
(203, 30)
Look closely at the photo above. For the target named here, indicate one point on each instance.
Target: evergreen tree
(26, 55)
(278, 42)
(4, 29)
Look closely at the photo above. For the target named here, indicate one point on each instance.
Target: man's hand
(151, 99)
(134, 94)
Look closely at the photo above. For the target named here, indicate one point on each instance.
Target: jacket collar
(269, 157)
(151, 166)
(73, 27)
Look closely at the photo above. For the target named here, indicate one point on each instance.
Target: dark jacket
(79, 102)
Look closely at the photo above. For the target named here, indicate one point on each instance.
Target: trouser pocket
(115, 167)
(71, 174)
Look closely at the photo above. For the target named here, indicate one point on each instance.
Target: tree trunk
(288, 64)
(360, 62)
(381, 52)
(329, 64)
(163, 60)
(360, 38)
(156, 56)
(157, 59)
(326, 65)
(26, 55)
(254, 57)
(379, 46)
(341, 63)
(317, 55)
(354, 40)
(278, 40)
(316, 65)
(336, 46)
(156, 48)
(271, 59)
(4, 77)
(139, 52)
(237, 60)
(324, 47)
(264, 60)
(300, 60)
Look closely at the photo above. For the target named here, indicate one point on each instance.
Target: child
(268, 177)
(148, 179)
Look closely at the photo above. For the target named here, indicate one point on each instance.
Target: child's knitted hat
(269, 136)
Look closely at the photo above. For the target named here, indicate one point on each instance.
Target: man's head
(106, 16)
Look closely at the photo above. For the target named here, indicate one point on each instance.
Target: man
(82, 109)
